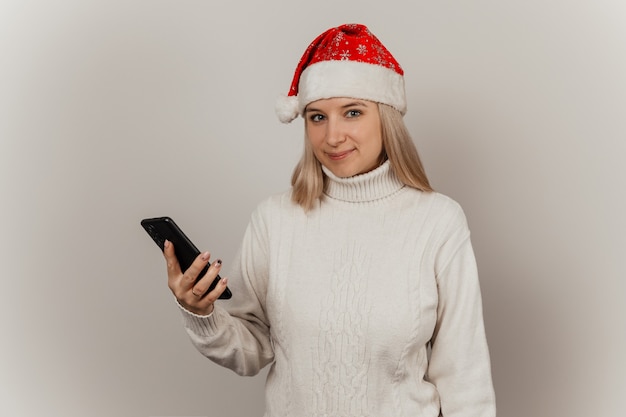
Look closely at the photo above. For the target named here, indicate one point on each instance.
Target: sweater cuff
(199, 324)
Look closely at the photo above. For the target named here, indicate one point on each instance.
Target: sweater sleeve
(460, 365)
(236, 334)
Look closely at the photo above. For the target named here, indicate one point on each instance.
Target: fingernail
(166, 244)
(224, 281)
(219, 262)
(205, 256)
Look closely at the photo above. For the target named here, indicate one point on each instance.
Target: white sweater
(368, 305)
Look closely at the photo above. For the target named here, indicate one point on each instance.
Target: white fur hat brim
(351, 79)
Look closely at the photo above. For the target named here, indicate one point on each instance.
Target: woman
(358, 285)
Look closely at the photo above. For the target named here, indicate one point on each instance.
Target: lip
(337, 156)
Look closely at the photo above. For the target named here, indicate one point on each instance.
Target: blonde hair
(309, 182)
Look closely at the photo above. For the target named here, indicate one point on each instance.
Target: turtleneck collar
(374, 185)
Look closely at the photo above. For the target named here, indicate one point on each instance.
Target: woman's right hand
(190, 294)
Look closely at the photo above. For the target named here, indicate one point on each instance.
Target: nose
(335, 134)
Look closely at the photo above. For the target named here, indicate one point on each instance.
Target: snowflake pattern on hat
(337, 44)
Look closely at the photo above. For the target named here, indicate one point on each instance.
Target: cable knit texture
(367, 305)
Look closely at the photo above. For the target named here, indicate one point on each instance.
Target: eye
(353, 113)
(316, 117)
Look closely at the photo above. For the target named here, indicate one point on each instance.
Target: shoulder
(436, 206)
(450, 208)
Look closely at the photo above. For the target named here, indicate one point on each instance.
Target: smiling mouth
(337, 156)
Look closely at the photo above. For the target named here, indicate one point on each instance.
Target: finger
(181, 281)
(190, 276)
(173, 267)
(202, 286)
(200, 302)
(219, 289)
(204, 305)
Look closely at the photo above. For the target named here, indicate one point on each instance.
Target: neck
(374, 185)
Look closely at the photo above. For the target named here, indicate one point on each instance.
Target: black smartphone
(161, 229)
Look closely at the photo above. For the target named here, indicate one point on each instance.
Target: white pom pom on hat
(287, 108)
(346, 61)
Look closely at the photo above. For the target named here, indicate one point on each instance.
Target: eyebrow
(350, 104)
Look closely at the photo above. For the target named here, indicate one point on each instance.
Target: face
(345, 135)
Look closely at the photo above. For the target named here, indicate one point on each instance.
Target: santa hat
(346, 61)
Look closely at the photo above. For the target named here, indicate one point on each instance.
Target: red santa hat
(346, 61)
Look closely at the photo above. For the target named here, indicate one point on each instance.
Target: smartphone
(161, 229)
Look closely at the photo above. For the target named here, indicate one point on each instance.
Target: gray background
(112, 111)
